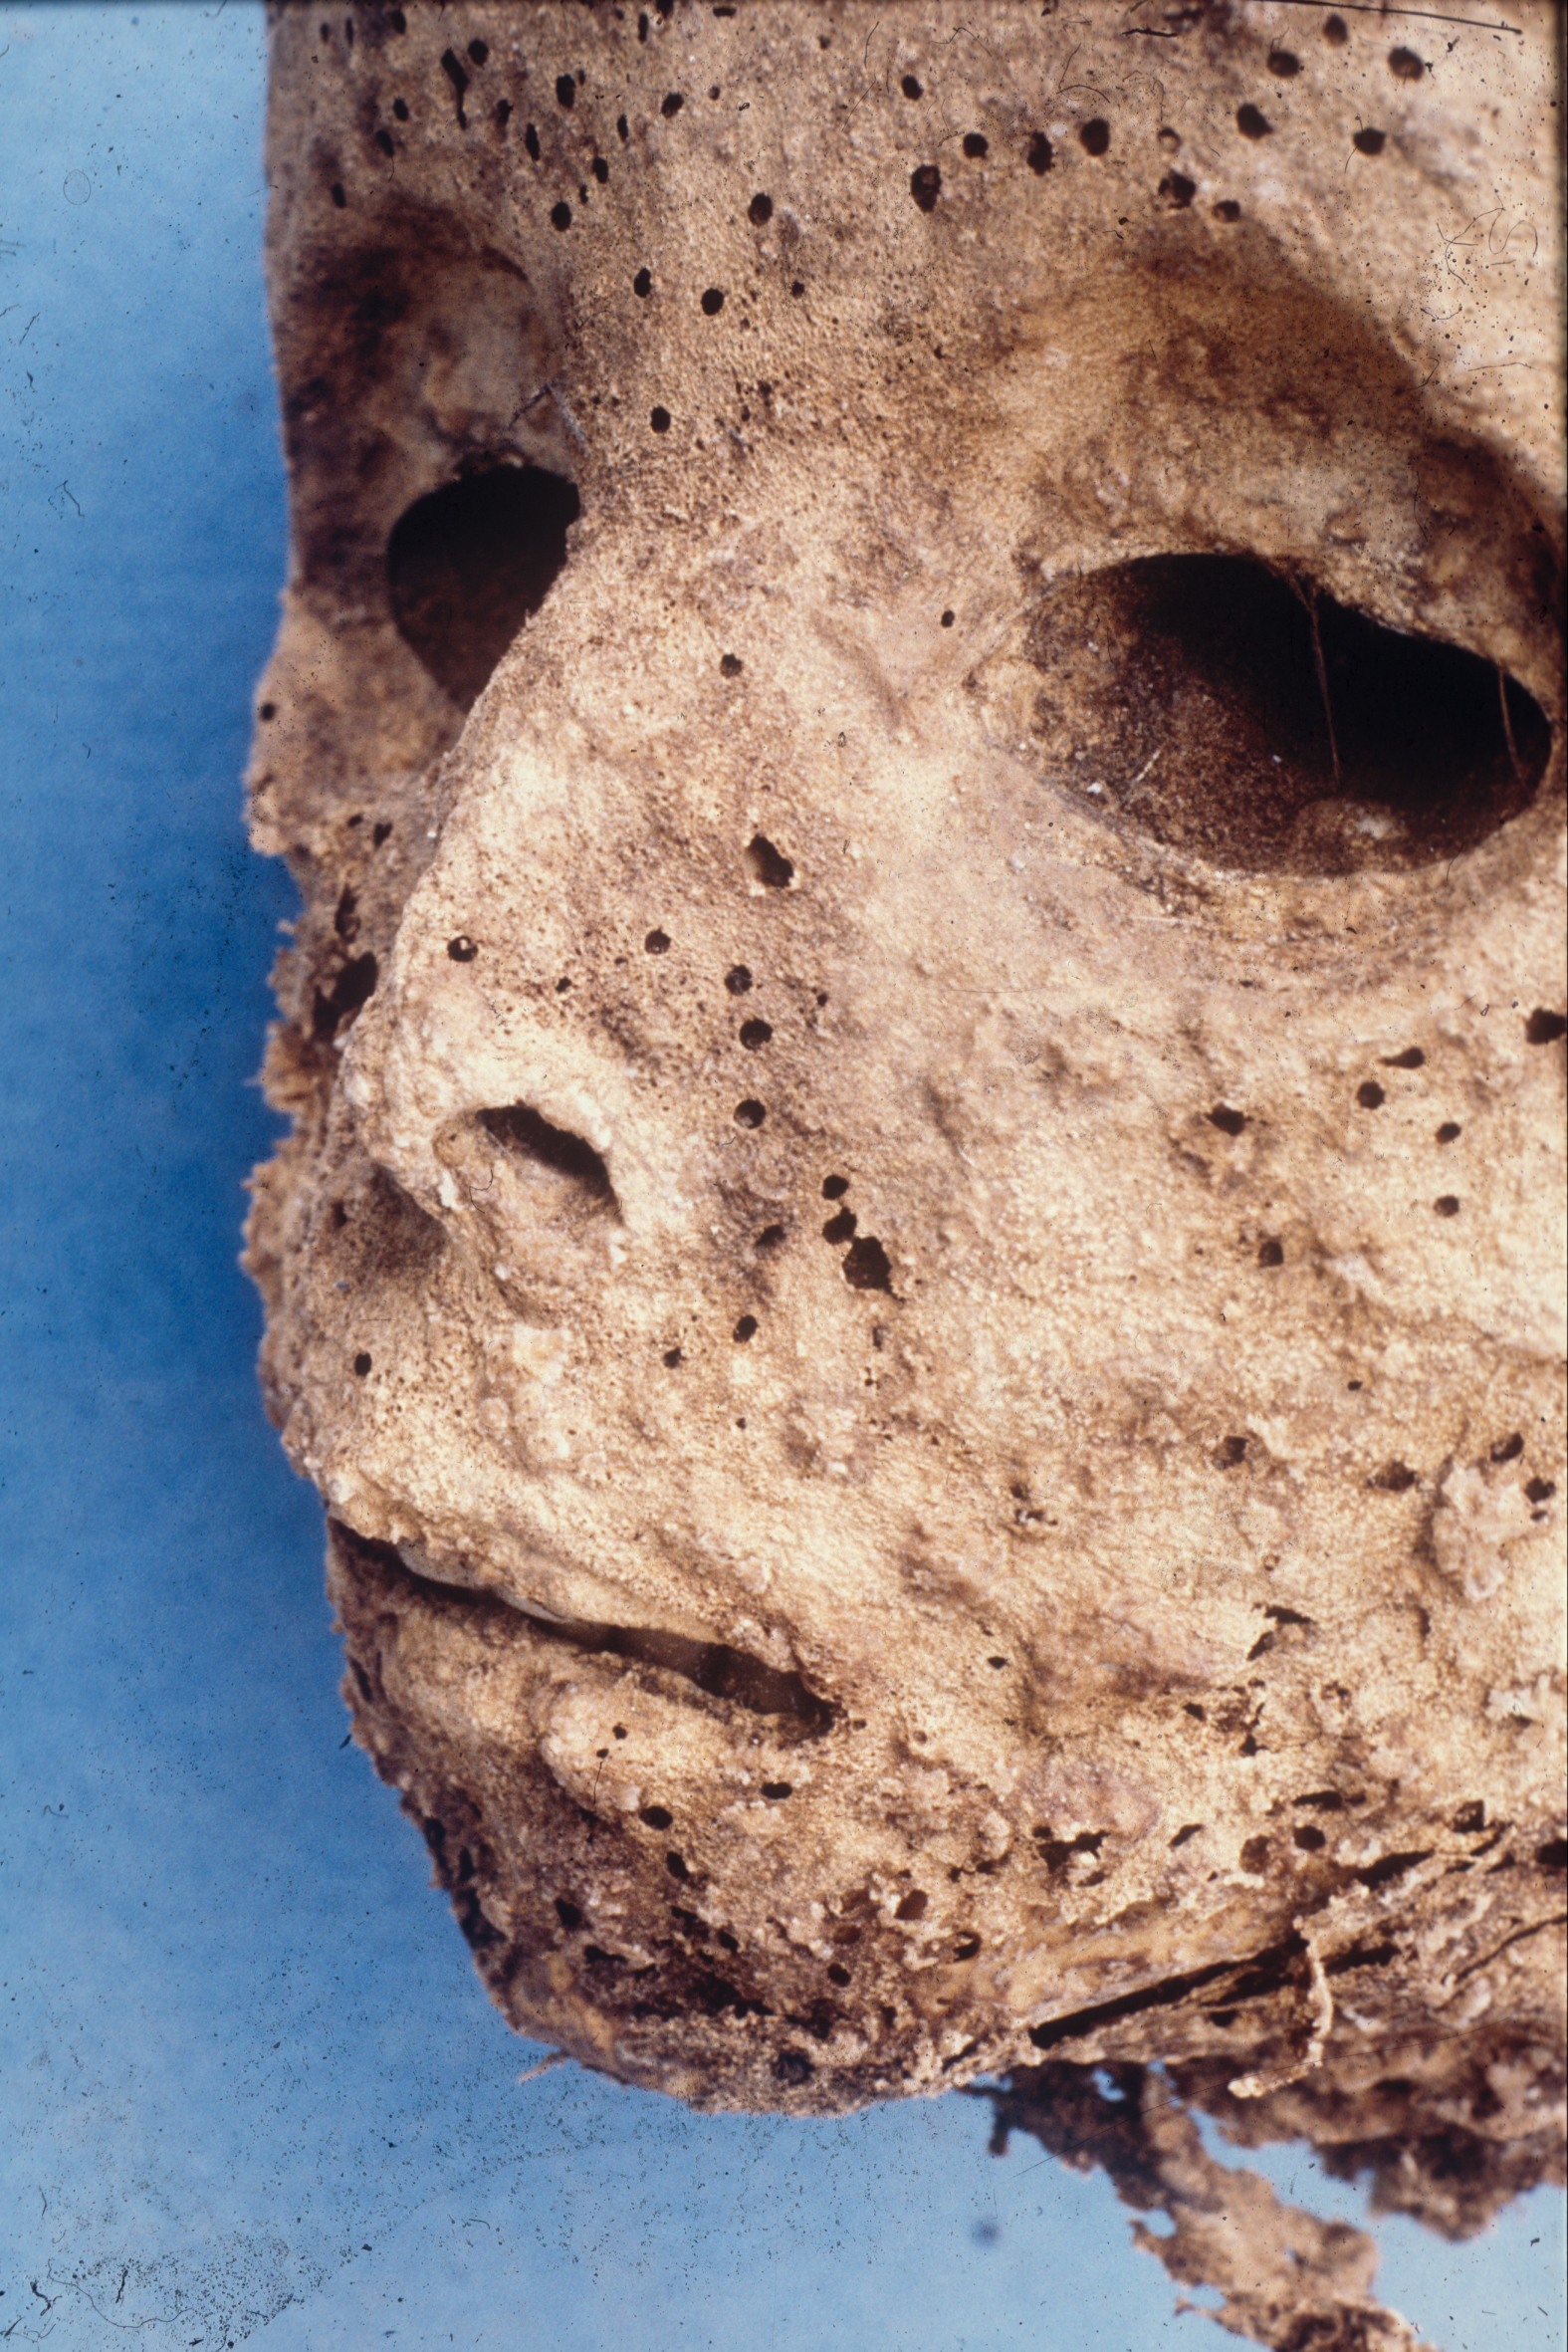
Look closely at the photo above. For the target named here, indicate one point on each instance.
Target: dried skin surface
(921, 1257)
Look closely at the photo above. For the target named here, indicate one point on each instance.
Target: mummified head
(919, 713)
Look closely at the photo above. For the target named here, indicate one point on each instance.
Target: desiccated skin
(919, 712)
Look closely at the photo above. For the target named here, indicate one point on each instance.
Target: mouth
(716, 1668)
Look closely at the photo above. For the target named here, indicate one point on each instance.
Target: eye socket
(467, 565)
(1247, 718)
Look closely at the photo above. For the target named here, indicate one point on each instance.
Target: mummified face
(920, 715)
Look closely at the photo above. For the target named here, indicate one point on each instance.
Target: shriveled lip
(715, 1667)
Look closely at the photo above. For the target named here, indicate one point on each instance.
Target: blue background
(252, 2089)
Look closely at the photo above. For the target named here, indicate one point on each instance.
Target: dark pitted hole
(1449, 1131)
(1540, 1490)
(1370, 1094)
(642, 284)
(1252, 122)
(528, 1135)
(771, 1237)
(793, 2067)
(840, 1229)
(1446, 1204)
(1470, 1819)
(1178, 190)
(837, 1974)
(1168, 138)
(834, 1187)
(1231, 1453)
(467, 565)
(1335, 30)
(659, 418)
(568, 1912)
(672, 106)
(1405, 64)
(338, 196)
(1395, 1478)
(1544, 1027)
(754, 1035)
(267, 710)
(746, 1328)
(865, 1265)
(713, 302)
(354, 987)
(361, 1366)
(738, 980)
(479, 51)
(1309, 1838)
(1283, 64)
(730, 666)
(768, 866)
(1040, 154)
(1370, 142)
(560, 215)
(656, 1817)
(1228, 210)
(925, 185)
(1187, 1830)
(749, 1113)
(1271, 1253)
(565, 91)
(1553, 1856)
(673, 1358)
(396, 20)
(776, 1791)
(601, 171)
(798, 288)
(383, 139)
(760, 211)
(976, 146)
(999, 1663)
(1095, 136)
(562, 986)
(531, 142)
(1509, 1449)
(657, 943)
(1409, 1058)
(911, 87)
(966, 1948)
(913, 1905)
(1255, 1856)
(675, 1864)
(462, 949)
(457, 74)
(1228, 1121)
(949, 617)
(1321, 1801)
(1219, 653)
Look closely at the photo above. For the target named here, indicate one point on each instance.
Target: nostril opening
(468, 565)
(529, 1137)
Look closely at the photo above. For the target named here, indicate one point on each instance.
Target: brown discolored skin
(926, 1301)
